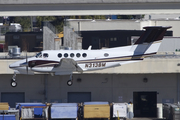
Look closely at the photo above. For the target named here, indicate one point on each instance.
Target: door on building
(145, 104)
(78, 97)
(12, 98)
(95, 41)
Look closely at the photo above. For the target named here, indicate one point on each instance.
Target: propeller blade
(26, 63)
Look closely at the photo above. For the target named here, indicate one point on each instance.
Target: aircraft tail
(150, 41)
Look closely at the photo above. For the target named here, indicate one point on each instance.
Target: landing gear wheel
(69, 82)
(13, 83)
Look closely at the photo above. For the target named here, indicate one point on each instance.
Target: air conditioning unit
(14, 51)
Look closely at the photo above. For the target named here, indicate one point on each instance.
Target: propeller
(26, 63)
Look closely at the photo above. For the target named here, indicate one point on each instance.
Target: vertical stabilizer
(149, 42)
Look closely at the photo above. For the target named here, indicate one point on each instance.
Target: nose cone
(13, 65)
(16, 64)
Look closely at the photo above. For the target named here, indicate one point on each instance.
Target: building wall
(170, 44)
(103, 87)
(72, 39)
(88, 25)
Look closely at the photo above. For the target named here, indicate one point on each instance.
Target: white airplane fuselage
(86, 59)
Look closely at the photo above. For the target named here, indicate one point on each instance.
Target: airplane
(65, 62)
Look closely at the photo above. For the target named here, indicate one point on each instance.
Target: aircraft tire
(13, 83)
(69, 82)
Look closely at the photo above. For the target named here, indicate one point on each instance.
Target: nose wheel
(69, 82)
(13, 81)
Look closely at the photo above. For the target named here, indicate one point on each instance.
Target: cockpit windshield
(39, 55)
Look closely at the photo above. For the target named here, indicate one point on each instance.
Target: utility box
(96, 110)
(64, 111)
(120, 110)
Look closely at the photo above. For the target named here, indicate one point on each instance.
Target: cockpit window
(39, 55)
(45, 55)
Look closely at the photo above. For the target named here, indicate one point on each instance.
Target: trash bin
(176, 112)
(171, 111)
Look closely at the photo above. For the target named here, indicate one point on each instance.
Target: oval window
(106, 54)
(72, 54)
(84, 54)
(59, 55)
(65, 55)
(78, 55)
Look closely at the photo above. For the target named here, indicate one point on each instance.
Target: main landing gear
(70, 81)
(13, 81)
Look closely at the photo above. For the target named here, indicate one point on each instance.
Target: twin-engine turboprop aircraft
(65, 62)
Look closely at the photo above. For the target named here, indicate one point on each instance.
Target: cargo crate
(64, 111)
(96, 110)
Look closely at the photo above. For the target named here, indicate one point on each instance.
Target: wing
(67, 65)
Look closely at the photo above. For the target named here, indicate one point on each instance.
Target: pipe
(178, 88)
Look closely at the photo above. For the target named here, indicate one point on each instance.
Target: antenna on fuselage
(89, 48)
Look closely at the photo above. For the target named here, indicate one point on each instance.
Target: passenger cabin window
(38, 55)
(45, 55)
(59, 55)
(106, 54)
(78, 55)
(72, 54)
(65, 55)
(84, 54)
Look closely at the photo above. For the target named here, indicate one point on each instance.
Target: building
(151, 82)
(27, 41)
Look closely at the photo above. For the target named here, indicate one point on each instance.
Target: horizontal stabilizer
(152, 33)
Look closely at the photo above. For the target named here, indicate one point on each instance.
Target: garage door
(13, 98)
(145, 104)
(78, 97)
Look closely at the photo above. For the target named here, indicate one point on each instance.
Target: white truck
(15, 27)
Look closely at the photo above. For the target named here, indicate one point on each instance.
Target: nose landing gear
(13, 81)
(70, 81)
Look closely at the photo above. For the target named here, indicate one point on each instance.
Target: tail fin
(149, 41)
